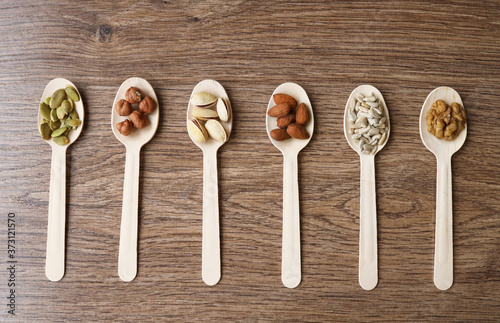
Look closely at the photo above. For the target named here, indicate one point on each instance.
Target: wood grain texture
(404, 48)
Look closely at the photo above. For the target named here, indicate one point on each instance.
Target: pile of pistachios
(59, 115)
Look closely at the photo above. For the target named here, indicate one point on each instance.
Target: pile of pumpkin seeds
(59, 115)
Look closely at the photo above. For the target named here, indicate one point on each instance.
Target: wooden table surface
(404, 48)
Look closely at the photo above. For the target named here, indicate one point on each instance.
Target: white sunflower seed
(364, 130)
(363, 109)
(364, 115)
(382, 139)
(367, 147)
(358, 125)
(352, 116)
(374, 113)
(362, 142)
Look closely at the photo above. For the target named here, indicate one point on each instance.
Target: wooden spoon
(443, 150)
(210, 251)
(368, 262)
(290, 148)
(56, 227)
(127, 255)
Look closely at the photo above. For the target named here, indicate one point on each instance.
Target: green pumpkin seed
(61, 140)
(45, 131)
(57, 98)
(74, 122)
(72, 103)
(72, 93)
(53, 115)
(47, 100)
(58, 132)
(66, 106)
(66, 133)
(45, 111)
(54, 124)
(74, 115)
(61, 114)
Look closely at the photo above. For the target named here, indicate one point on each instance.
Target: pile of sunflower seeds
(368, 123)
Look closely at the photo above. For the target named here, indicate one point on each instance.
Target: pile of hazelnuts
(138, 118)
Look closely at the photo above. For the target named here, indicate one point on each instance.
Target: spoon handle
(290, 265)
(127, 254)
(56, 226)
(443, 253)
(210, 248)
(368, 271)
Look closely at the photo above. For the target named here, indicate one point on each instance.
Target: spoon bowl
(215, 88)
(364, 90)
(56, 224)
(290, 146)
(52, 86)
(443, 150)
(368, 259)
(127, 254)
(138, 137)
(291, 273)
(210, 253)
(433, 144)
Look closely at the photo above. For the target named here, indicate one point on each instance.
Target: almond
(279, 110)
(285, 98)
(285, 121)
(302, 114)
(297, 131)
(279, 134)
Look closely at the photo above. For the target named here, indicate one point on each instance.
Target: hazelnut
(125, 127)
(147, 105)
(123, 108)
(133, 95)
(139, 119)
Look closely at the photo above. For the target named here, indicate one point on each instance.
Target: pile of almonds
(208, 108)
(290, 121)
(138, 118)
